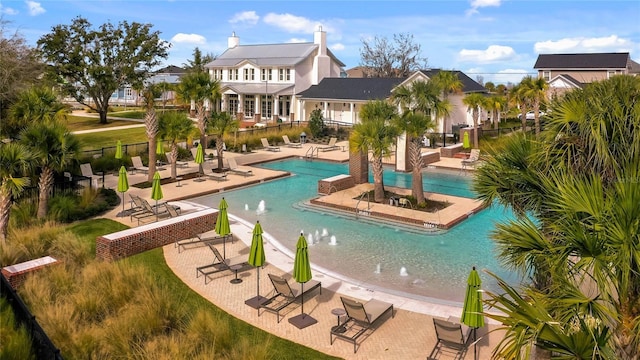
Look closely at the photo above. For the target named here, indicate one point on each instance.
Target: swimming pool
(402, 260)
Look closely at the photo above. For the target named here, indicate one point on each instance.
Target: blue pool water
(412, 262)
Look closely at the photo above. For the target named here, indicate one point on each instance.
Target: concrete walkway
(408, 335)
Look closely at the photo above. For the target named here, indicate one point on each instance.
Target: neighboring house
(260, 82)
(171, 74)
(565, 72)
(341, 99)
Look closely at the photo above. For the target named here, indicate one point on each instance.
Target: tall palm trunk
(523, 118)
(220, 149)
(151, 123)
(5, 208)
(475, 115)
(174, 157)
(536, 112)
(202, 124)
(44, 184)
(416, 169)
(378, 185)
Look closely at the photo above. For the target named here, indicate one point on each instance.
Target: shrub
(16, 343)
(316, 123)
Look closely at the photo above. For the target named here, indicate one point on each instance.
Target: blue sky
(498, 40)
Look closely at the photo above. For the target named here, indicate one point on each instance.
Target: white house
(260, 82)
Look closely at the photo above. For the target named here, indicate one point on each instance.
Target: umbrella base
(256, 301)
(302, 321)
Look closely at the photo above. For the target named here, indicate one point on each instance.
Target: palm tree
(172, 127)
(54, 148)
(221, 124)
(419, 102)
(535, 91)
(35, 104)
(518, 99)
(375, 133)
(579, 182)
(495, 104)
(449, 84)
(149, 93)
(475, 102)
(199, 89)
(15, 163)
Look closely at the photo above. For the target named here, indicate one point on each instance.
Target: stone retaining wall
(430, 157)
(449, 151)
(132, 241)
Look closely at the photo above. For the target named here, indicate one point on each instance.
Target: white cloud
(297, 40)
(247, 17)
(492, 54)
(337, 47)
(8, 10)
(477, 4)
(35, 8)
(294, 24)
(188, 39)
(582, 44)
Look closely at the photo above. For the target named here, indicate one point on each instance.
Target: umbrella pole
(258, 282)
(123, 204)
(156, 210)
(302, 297)
(224, 247)
(474, 344)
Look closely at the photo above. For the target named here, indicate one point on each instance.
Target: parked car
(531, 115)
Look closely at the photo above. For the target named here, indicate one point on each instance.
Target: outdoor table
(179, 178)
(338, 312)
(235, 268)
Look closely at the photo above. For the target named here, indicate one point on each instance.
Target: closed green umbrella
(257, 259)
(222, 225)
(156, 191)
(159, 147)
(472, 309)
(123, 185)
(118, 149)
(465, 140)
(199, 160)
(302, 274)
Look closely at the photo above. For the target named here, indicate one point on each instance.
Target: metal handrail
(360, 199)
(310, 151)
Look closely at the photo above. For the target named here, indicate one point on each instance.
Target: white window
(284, 105)
(546, 75)
(233, 74)
(610, 73)
(128, 94)
(265, 74)
(246, 74)
(233, 104)
(288, 72)
(270, 74)
(280, 74)
(266, 104)
(253, 74)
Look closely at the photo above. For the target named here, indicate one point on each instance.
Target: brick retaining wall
(335, 183)
(17, 274)
(132, 241)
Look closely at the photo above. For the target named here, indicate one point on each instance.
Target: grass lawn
(77, 123)
(153, 260)
(108, 138)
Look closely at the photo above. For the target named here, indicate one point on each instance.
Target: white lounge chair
(288, 143)
(237, 169)
(182, 164)
(330, 146)
(266, 146)
(88, 172)
(136, 161)
(473, 159)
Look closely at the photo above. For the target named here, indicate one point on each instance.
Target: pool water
(402, 260)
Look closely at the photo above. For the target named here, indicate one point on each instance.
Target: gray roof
(468, 84)
(352, 88)
(582, 61)
(169, 79)
(267, 55)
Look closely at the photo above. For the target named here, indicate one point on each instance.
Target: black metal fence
(42, 345)
(65, 185)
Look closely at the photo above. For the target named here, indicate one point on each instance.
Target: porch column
(276, 107)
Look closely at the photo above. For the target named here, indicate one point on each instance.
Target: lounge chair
(474, 157)
(194, 151)
(288, 143)
(182, 164)
(88, 172)
(237, 169)
(220, 264)
(136, 161)
(216, 176)
(162, 211)
(266, 146)
(285, 295)
(148, 210)
(360, 319)
(209, 237)
(451, 336)
(330, 146)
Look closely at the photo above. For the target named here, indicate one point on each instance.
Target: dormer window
(249, 74)
(546, 75)
(284, 74)
(265, 75)
(233, 74)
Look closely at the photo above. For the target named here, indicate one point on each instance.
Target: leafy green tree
(91, 65)
(495, 104)
(419, 102)
(199, 89)
(220, 124)
(15, 164)
(54, 148)
(174, 126)
(449, 83)
(316, 123)
(518, 99)
(20, 68)
(576, 192)
(199, 61)
(475, 102)
(377, 134)
(35, 104)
